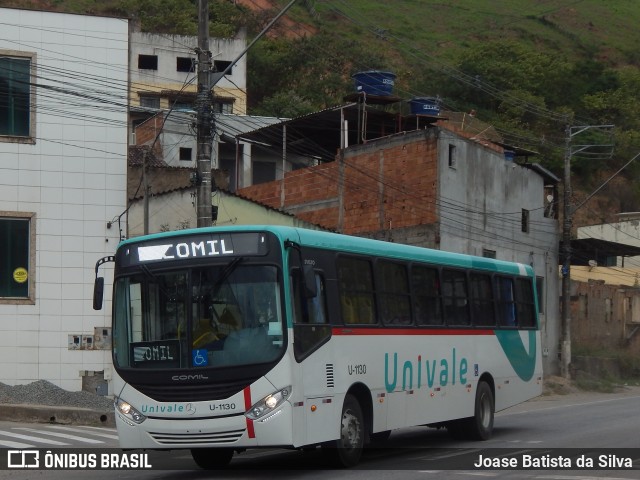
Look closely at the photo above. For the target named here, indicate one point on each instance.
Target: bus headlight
(127, 411)
(268, 404)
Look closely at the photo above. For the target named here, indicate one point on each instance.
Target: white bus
(226, 339)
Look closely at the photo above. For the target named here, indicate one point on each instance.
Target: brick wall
(147, 132)
(388, 184)
(602, 316)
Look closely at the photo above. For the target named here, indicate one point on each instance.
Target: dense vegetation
(528, 68)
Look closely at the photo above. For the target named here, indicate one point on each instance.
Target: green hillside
(527, 67)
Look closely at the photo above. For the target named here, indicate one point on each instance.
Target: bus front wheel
(347, 450)
(212, 458)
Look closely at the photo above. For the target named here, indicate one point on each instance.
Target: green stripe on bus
(521, 359)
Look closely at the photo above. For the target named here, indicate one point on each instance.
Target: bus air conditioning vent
(194, 438)
(330, 382)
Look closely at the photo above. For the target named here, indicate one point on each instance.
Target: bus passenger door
(312, 331)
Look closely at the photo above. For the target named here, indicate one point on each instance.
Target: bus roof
(352, 244)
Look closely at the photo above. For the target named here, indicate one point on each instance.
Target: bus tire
(480, 426)
(212, 458)
(347, 450)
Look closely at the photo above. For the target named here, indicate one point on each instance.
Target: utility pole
(146, 188)
(570, 150)
(565, 352)
(204, 122)
(204, 108)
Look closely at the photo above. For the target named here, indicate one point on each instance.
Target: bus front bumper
(236, 431)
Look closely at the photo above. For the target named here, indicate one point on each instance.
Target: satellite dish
(593, 263)
(549, 198)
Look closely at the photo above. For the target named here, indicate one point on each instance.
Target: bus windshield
(207, 316)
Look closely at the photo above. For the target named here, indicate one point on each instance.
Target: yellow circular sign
(20, 275)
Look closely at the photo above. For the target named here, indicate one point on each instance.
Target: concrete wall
(483, 196)
(72, 178)
(175, 211)
(627, 232)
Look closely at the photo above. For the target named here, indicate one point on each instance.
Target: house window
(525, 220)
(488, 253)
(150, 102)
(223, 107)
(148, 62)
(220, 65)
(263, 172)
(17, 258)
(452, 156)
(185, 64)
(16, 96)
(185, 154)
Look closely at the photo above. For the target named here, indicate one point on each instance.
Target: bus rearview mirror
(98, 293)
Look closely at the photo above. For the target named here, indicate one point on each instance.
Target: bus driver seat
(229, 321)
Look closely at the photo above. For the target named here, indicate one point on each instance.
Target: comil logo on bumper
(185, 378)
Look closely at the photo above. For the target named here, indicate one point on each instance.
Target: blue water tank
(424, 106)
(374, 82)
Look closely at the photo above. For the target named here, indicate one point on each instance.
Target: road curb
(54, 414)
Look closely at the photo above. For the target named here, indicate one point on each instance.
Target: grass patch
(601, 385)
(605, 369)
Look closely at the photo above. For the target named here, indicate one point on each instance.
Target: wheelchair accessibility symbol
(199, 357)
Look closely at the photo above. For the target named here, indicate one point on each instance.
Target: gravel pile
(46, 393)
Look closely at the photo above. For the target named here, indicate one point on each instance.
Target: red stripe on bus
(409, 331)
(247, 405)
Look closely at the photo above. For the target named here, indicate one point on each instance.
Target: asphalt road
(556, 428)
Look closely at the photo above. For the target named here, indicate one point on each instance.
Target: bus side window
(506, 302)
(318, 307)
(393, 293)
(455, 297)
(309, 310)
(525, 306)
(355, 280)
(425, 284)
(482, 304)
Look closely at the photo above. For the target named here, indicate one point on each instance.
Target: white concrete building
(63, 166)
(163, 75)
(626, 231)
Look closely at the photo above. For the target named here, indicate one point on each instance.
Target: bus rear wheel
(347, 450)
(480, 426)
(212, 458)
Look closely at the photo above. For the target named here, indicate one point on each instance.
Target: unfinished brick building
(445, 183)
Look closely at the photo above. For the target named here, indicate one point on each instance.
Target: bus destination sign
(200, 246)
(165, 353)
